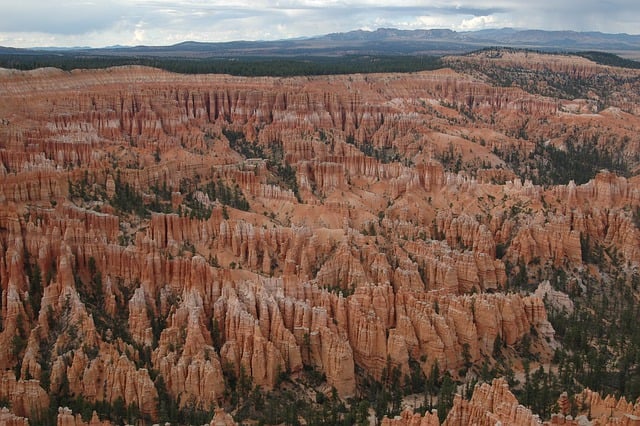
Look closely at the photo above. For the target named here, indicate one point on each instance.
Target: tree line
(244, 66)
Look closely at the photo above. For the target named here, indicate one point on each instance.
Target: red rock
(7, 418)
(27, 398)
(381, 263)
(489, 405)
(222, 419)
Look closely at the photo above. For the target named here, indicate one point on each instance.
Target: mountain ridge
(382, 41)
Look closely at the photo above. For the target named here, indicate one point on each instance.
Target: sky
(99, 23)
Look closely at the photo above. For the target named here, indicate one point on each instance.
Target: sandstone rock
(554, 241)
(607, 410)
(66, 418)
(490, 404)
(222, 419)
(139, 321)
(27, 398)
(407, 418)
(7, 418)
(389, 258)
(559, 300)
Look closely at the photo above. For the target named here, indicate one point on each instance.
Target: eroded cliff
(171, 245)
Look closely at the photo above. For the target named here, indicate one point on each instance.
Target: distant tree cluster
(284, 173)
(239, 143)
(385, 154)
(216, 191)
(127, 199)
(605, 58)
(579, 161)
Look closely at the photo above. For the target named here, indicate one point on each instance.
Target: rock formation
(173, 242)
(9, 419)
(490, 404)
(222, 419)
(66, 418)
(407, 418)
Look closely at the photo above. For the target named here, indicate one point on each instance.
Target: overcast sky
(97, 23)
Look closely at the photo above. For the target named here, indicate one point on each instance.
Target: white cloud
(478, 23)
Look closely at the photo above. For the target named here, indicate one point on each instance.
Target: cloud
(63, 17)
(479, 23)
(99, 23)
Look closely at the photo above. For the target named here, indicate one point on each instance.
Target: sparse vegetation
(577, 161)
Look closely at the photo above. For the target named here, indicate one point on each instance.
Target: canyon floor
(458, 246)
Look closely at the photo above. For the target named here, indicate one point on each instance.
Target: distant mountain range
(384, 41)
